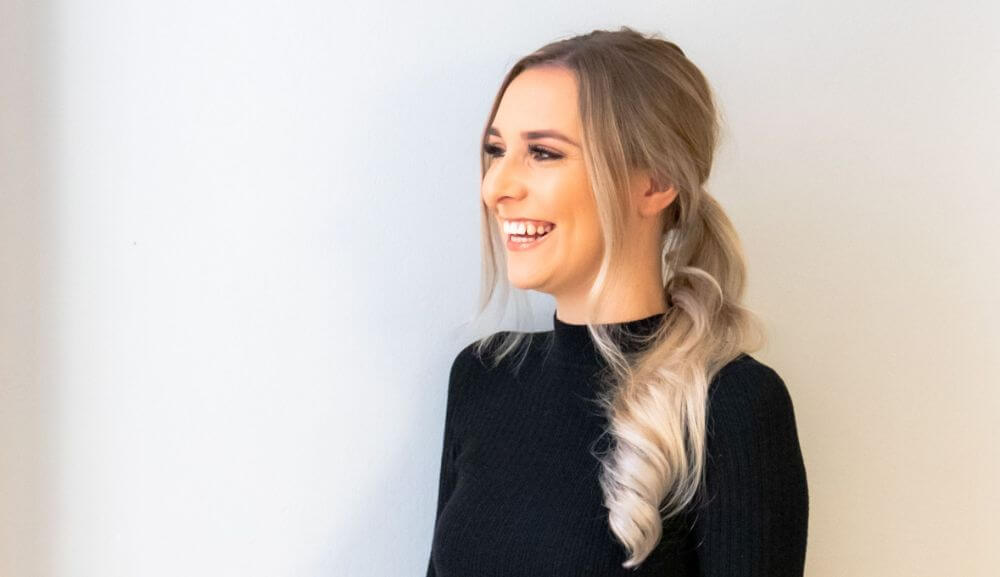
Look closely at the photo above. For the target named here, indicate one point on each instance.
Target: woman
(638, 437)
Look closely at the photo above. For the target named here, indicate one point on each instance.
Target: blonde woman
(638, 436)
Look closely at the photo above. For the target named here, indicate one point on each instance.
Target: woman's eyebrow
(536, 134)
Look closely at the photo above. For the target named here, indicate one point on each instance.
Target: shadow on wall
(27, 374)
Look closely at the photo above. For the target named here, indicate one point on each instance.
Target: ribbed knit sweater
(518, 493)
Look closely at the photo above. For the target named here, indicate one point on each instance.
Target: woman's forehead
(539, 100)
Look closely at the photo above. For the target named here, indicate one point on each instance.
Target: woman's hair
(645, 106)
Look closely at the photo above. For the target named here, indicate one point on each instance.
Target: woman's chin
(524, 280)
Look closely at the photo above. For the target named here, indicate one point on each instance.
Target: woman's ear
(653, 196)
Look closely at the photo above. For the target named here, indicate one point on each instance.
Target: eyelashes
(494, 151)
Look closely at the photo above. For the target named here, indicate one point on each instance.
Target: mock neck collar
(572, 343)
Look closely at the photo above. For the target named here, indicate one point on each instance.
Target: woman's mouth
(519, 238)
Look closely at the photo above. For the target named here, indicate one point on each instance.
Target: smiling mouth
(516, 242)
(525, 238)
(525, 227)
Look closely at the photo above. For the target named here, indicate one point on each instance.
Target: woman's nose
(502, 181)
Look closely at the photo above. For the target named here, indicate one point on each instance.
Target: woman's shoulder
(475, 353)
(747, 387)
(465, 361)
(474, 371)
(480, 353)
(473, 359)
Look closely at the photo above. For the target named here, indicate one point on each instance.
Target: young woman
(638, 437)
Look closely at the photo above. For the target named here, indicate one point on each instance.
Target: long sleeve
(448, 473)
(755, 520)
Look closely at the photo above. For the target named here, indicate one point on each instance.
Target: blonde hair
(644, 105)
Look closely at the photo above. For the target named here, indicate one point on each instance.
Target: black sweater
(518, 492)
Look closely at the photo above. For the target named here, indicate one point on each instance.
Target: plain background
(236, 240)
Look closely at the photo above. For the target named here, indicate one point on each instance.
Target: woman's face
(536, 173)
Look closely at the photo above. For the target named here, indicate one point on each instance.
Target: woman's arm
(447, 472)
(755, 521)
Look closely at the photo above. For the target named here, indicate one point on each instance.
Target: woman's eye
(491, 150)
(494, 151)
(548, 154)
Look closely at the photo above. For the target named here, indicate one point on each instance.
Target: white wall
(226, 316)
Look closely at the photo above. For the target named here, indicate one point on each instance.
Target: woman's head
(640, 132)
(635, 232)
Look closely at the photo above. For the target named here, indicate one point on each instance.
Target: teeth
(522, 228)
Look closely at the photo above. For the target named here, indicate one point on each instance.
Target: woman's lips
(518, 246)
